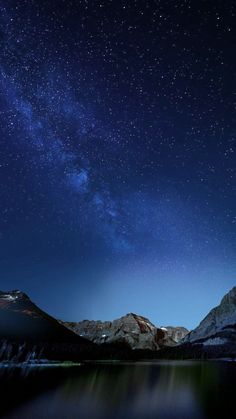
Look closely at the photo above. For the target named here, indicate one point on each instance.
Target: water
(144, 390)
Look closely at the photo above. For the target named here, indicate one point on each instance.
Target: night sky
(118, 156)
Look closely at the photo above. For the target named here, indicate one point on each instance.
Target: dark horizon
(117, 157)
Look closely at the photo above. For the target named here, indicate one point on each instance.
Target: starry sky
(117, 156)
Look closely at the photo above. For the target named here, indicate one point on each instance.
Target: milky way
(117, 159)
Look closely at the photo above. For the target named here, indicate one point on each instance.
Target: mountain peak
(230, 297)
(218, 321)
(13, 294)
(131, 329)
(21, 319)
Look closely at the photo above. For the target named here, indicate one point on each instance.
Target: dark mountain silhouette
(21, 319)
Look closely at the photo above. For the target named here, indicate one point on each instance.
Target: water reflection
(166, 390)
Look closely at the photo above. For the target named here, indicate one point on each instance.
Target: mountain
(176, 334)
(215, 337)
(21, 319)
(132, 330)
(219, 326)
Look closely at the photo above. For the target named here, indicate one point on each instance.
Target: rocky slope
(135, 331)
(176, 334)
(219, 326)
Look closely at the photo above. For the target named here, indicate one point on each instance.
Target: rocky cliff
(176, 334)
(219, 326)
(135, 331)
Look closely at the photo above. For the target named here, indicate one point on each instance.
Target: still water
(162, 390)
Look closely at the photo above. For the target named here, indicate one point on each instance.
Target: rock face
(135, 331)
(176, 334)
(219, 326)
(21, 319)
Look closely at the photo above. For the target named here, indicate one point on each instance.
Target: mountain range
(25, 328)
(135, 331)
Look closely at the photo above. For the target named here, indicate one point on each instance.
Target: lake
(142, 390)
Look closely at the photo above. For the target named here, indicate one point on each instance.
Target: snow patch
(10, 297)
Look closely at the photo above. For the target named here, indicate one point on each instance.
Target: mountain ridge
(128, 337)
(138, 332)
(218, 321)
(20, 318)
